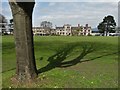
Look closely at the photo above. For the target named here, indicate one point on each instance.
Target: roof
(86, 27)
(67, 25)
(59, 27)
(40, 28)
(37, 27)
(80, 27)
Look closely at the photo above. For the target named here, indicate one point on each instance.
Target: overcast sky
(72, 12)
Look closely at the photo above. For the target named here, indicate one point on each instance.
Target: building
(41, 31)
(81, 30)
(96, 33)
(6, 28)
(86, 30)
(66, 30)
(3, 27)
(53, 32)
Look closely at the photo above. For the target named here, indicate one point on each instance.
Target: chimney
(86, 25)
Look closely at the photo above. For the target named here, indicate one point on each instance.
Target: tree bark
(22, 17)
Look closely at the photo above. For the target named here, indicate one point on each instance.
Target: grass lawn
(67, 62)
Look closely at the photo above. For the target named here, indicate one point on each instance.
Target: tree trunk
(22, 17)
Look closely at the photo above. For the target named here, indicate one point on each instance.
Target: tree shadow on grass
(57, 60)
(86, 49)
(100, 56)
(8, 70)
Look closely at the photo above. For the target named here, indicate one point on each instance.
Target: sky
(73, 12)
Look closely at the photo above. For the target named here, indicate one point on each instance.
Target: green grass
(58, 59)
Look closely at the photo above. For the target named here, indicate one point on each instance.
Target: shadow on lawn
(100, 56)
(57, 60)
(8, 70)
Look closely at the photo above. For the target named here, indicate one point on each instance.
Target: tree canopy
(107, 25)
(46, 24)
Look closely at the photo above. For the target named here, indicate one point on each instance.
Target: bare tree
(22, 17)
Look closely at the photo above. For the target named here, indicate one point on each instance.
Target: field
(67, 62)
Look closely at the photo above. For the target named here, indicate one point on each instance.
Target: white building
(68, 30)
(3, 28)
(86, 30)
(65, 30)
(41, 31)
